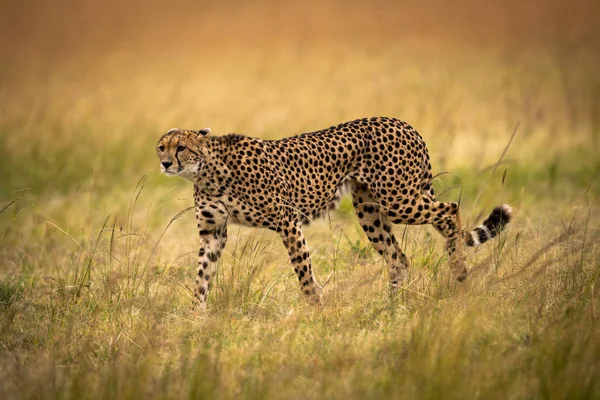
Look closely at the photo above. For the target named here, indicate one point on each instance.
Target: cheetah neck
(214, 176)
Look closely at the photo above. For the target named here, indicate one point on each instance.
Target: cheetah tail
(491, 227)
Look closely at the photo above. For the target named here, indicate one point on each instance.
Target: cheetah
(283, 184)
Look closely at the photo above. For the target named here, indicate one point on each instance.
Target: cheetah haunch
(282, 184)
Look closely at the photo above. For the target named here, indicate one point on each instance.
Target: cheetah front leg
(294, 241)
(212, 228)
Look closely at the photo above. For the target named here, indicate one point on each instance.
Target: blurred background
(86, 87)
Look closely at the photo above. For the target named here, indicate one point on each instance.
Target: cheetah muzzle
(282, 184)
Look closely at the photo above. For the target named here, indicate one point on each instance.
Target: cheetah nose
(167, 164)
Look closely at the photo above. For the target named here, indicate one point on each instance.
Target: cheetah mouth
(172, 173)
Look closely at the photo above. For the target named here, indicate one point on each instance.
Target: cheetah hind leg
(449, 226)
(378, 229)
(445, 218)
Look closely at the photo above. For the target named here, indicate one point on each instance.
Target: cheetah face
(179, 152)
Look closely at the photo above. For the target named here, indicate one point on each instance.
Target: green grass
(98, 250)
(101, 307)
(525, 324)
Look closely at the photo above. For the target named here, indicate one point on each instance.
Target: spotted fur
(283, 184)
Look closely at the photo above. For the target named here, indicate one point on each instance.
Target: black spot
(297, 259)
(481, 234)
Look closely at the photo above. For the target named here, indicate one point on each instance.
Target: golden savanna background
(98, 250)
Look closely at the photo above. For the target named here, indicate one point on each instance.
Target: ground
(98, 250)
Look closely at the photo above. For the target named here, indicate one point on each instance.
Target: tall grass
(523, 325)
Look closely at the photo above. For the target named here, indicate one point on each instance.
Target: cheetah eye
(180, 148)
(161, 147)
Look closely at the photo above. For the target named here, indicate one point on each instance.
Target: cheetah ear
(172, 130)
(204, 132)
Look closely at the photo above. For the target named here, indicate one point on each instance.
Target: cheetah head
(180, 152)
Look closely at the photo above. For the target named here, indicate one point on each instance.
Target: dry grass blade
(537, 255)
(484, 184)
(70, 237)
(8, 205)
